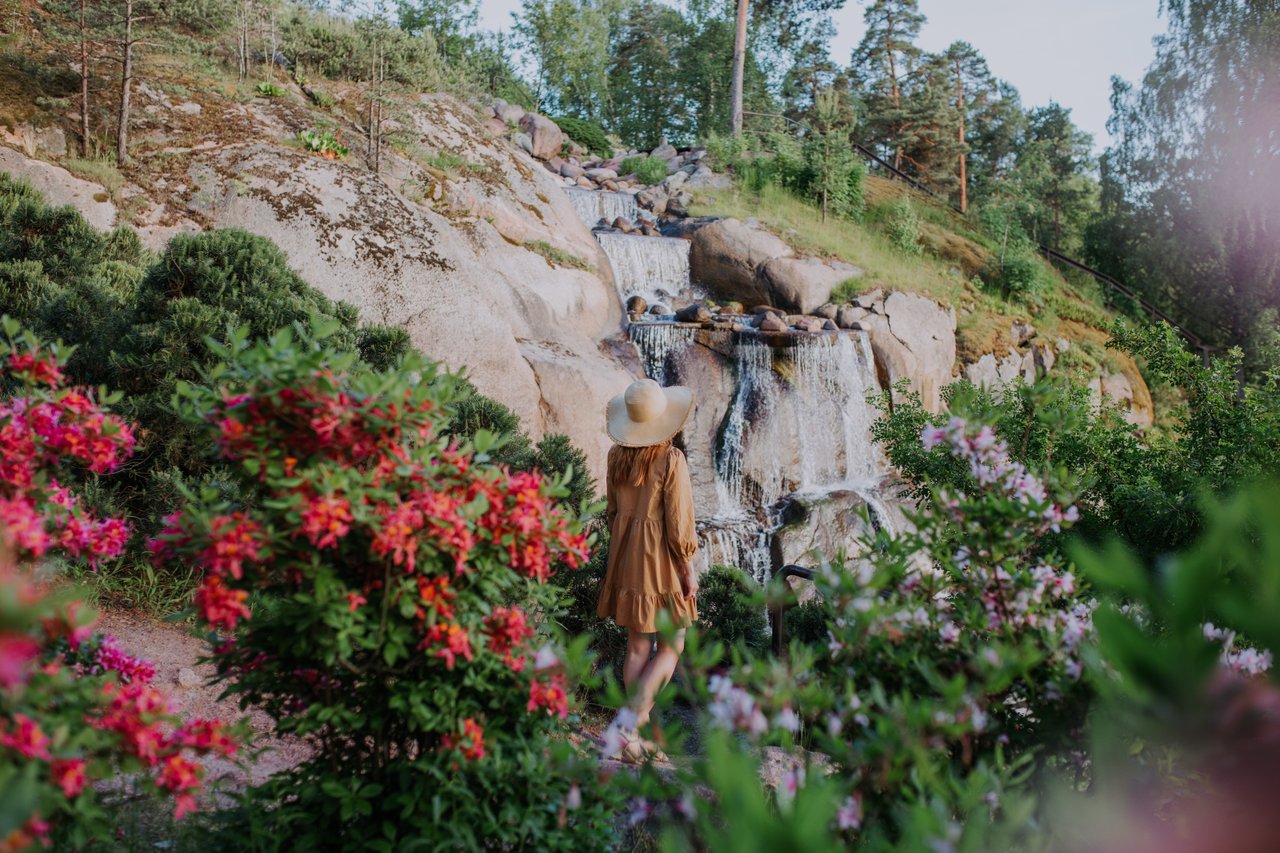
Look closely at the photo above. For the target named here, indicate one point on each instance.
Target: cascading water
(796, 426)
(595, 206)
(655, 268)
(656, 342)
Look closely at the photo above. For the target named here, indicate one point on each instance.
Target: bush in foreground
(75, 710)
(385, 598)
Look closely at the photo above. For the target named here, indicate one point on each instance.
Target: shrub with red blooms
(383, 597)
(74, 708)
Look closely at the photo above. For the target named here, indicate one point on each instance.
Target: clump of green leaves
(586, 133)
(902, 226)
(556, 256)
(326, 143)
(267, 89)
(648, 170)
(729, 612)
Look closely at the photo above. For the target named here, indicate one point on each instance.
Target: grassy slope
(954, 253)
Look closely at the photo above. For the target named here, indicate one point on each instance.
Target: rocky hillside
(466, 237)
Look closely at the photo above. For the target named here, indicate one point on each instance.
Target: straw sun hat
(646, 413)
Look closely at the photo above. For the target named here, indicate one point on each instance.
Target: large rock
(458, 279)
(802, 285)
(913, 338)
(61, 187)
(725, 255)
(545, 136)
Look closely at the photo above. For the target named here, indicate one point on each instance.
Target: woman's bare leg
(639, 649)
(655, 676)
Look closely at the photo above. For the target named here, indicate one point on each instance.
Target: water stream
(596, 206)
(655, 268)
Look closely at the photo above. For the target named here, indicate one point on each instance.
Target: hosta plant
(385, 598)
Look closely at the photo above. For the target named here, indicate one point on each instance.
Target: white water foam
(655, 268)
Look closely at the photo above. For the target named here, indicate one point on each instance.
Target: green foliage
(1144, 491)
(728, 610)
(1019, 273)
(556, 256)
(268, 89)
(808, 623)
(142, 328)
(324, 142)
(588, 134)
(902, 226)
(650, 170)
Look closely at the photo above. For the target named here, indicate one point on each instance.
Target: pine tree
(881, 65)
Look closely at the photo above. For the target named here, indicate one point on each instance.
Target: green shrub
(588, 134)
(729, 612)
(1020, 274)
(902, 226)
(847, 290)
(269, 90)
(649, 170)
(808, 623)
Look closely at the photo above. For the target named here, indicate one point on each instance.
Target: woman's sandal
(638, 750)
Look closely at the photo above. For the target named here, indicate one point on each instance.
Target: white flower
(949, 632)
(545, 658)
(621, 730)
(639, 812)
(574, 799)
(787, 720)
(850, 814)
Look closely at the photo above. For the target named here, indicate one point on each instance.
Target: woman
(652, 539)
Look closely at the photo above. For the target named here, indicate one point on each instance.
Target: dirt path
(176, 652)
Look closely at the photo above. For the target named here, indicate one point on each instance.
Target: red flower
(354, 600)
(453, 641)
(551, 694)
(27, 739)
(233, 540)
(42, 371)
(206, 736)
(69, 775)
(220, 605)
(470, 743)
(326, 519)
(16, 653)
(508, 630)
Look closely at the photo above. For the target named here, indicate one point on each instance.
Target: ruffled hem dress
(651, 532)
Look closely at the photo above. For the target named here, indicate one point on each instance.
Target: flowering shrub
(954, 654)
(74, 708)
(965, 699)
(382, 599)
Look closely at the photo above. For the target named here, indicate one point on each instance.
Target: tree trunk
(126, 84)
(964, 168)
(84, 83)
(739, 67)
(894, 91)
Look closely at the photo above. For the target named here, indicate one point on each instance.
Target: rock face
(724, 257)
(61, 187)
(802, 285)
(450, 267)
(545, 137)
(914, 338)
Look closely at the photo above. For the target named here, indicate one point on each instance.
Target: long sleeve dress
(651, 531)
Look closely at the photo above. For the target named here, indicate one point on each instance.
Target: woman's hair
(631, 465)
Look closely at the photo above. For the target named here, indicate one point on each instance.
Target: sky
(1060, 50)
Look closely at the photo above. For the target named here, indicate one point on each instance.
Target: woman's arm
(682, 535)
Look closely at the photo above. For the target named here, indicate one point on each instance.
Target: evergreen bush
(588, 134)
(903, 226)
(729, 612)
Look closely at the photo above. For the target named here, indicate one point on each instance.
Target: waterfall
(655, 268)
(795, 421)
(596, 205)
(753, 366)
(656, 341)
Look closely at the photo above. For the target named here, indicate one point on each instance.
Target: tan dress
(651, 530)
